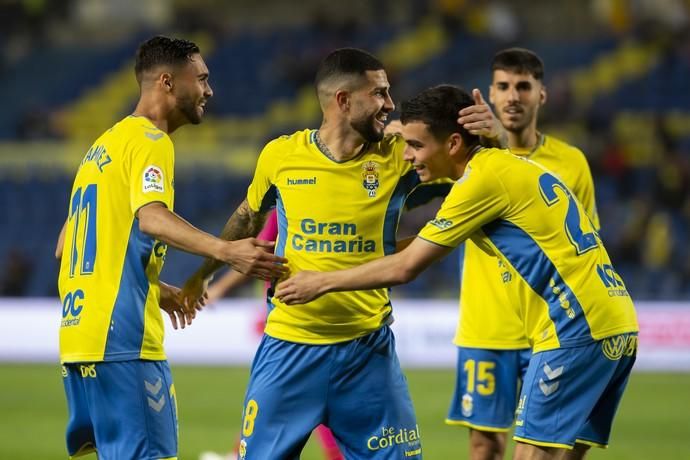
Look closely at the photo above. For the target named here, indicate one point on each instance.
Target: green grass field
(653, 421)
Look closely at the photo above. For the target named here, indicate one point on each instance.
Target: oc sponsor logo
(72, 306)
(612, 280)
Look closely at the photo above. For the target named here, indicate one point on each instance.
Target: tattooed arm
(244, 224)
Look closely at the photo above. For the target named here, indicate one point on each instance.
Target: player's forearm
(380, 273)
(499, 141)
(167, 291)
(164, 225)
(404, 242)
(243, 223)
(399, 268)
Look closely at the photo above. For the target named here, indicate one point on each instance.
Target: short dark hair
(519, 60)
(161, 50)
(438, 108)
(346, 62)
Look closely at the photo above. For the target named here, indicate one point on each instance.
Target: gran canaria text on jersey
(312, 232)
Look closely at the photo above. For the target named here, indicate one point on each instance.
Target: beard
(188, 107)
(519, 125)
(366, 128)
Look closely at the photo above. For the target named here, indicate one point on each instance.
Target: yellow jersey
(331, 216)
(483, 300)
(522, 213)
(109, 270)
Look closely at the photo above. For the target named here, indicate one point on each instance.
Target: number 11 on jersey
(83, 207)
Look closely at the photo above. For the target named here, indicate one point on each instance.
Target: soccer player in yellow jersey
(120, 393)
(576, 312)
(338, 192)
(492, 354)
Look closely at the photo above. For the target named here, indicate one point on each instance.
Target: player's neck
(526, 139)
(156, 113)
(338, 143)
(461, 165)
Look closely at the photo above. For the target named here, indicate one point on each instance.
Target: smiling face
(429, 156)
(370, 105)
(192, 89)
(517, 98)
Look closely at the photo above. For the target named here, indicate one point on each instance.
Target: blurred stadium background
(618, 80)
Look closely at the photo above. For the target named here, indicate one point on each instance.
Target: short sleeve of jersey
(476, 198)
(152, 169)
(264, 176)
(584, 190)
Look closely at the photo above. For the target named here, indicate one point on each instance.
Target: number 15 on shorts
(480, 377)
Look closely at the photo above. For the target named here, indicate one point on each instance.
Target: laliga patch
(152, 180)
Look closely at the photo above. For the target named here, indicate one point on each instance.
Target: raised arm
(480, 120)
(398, 268)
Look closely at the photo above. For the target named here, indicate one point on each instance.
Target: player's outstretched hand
(479, 119)
(254, 258)
(304, 287)
(172, 303)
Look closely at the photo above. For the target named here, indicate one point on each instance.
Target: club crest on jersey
(153, 179)
(242, 450)
(467, 405)
(370, 177)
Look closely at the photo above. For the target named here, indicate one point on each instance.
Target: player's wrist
(223, 252)
(328, 283)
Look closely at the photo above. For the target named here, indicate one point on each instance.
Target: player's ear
(491, 94)
(166, 81)
(342, 98)
(454, 144)
(542, 95)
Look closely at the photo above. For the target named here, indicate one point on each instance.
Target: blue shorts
(486, 388)
(122, 409)
(570, 395)
(356, 388)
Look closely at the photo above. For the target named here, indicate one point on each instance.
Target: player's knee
(525, 451)
(487, 445)
(578, 452)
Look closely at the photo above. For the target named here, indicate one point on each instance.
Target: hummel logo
(552, 374)
(153, 389)
(546, 388)
(303, 181)
(154, 137)
(156, 405)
